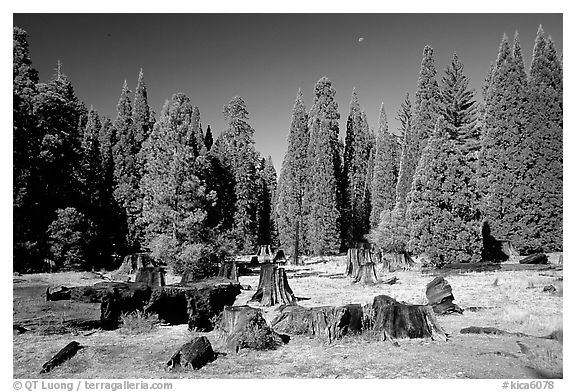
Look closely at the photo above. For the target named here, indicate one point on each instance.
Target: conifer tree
(426, 111)
(323, 198)
(543, 179)
(405, 117)
(141, 115)
(196, 135)
(175, 199)
(356, 157)
(442, 215)
(126, 173)
(292, 183)
(208, 139)
(385, 170)
(458, 105)
(235, 148)
(267, 233)
(92, 173)
(503, 155)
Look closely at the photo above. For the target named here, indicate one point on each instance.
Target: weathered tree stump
(280, 257)
(352, 265)
(61, 356)
(324, 322)
(197, 304)
(440, 297)
(244, 327)
(110, 310)
(396, 320)
(366, 274)
(273, 287)
(538, 258)
(228, 270)
(151, 276)
(195, 354)
(134, 262)
(264, 254)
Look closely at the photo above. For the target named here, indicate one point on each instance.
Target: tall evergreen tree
(458, 105)
(385, 170)
(292, 183)
(196, 134)
(323, 198)
(208, 139)
(267, 232)
(141, 115)
(543, 177)
(503, 155)
(405, 117)
(126, 174)
(26, 146)
(175, 199)
(356, 156)
(235, 147)
(442, 214)
(426, 111)
(92, 168)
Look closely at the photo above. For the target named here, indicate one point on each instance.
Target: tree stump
(151, 276)
(228, 270)
(61, 356)
(110, 310)
(352, 265)
(366, 274)
(396, 320)
(244, 327)
(324, 322)
(273, 287)
(538, 258)
(439, 294)
(264, 254)
(280, 257)
(195, 354)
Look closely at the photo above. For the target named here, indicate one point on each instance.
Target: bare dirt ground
(510, 300)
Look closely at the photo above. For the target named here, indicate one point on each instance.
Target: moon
(360, 39)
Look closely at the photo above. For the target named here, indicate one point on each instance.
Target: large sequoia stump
(440, 297)
(538, 258)
(244, 327)
(151, 276)
(195, 354)
(264, 254)
(324, 322)
(395, 261)
(273, 287)
(366, 274)
(361, 267)
(398, 320)
(197, 304)
(228, 270)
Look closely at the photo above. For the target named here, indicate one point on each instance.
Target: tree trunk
(295, 257)
(352, 265)
(244, 327)
(273, 287)
(195, 354)
(397, 320)
(63, 355)
(228, 270)
(440, 297)
(151, 276)
(538, 258)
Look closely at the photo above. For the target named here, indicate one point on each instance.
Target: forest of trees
(88, 189)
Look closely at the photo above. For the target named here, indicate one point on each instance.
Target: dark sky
(265, 58)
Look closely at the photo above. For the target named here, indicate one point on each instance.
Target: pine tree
(235, 148)
(426, 111)
(126, 173)
(458, 105)
(26, 146)
(323, 198)
(405, 117)
(208, 139)
(196, 135)
(356, 156)
(292, 183)
(92, 173)
(543, 178)
(267, 232)
(175, 200)
(503, 155)
(141, 115)
(385, 170)
(442, 214)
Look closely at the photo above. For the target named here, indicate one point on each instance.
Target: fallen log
(491, 331)
(244, 327)
(273, 287)
(440, 297)
(390, 281)
(195, 354)
(538, 258)
(324, 322)
(397, 320)
(61, 356)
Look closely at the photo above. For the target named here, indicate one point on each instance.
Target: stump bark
(61, 356)
(440, 297)
(228, 270)
(264, 254)
(538, 258)
(366, 274)
(325, 322)
(195, 354)
(273, 287)
(357, 258)
(151, 276)
(396, 320)
(244, 327)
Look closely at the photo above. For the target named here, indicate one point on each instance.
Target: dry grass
(501, 299)
(138, 322)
